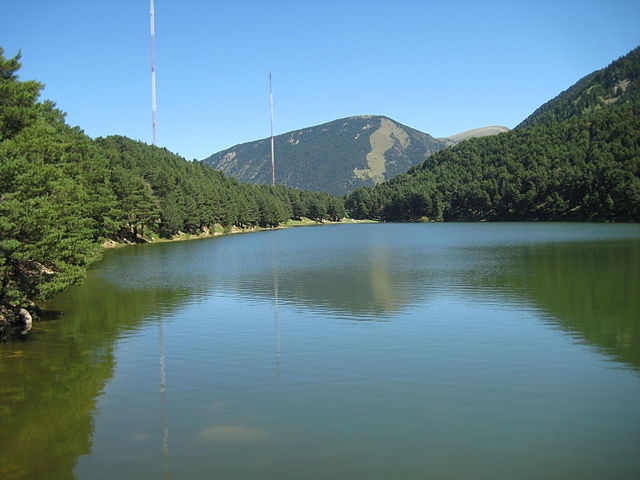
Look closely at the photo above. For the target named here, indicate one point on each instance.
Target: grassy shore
(219, 230)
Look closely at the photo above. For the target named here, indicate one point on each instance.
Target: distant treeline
(63, 194)
(576, 159)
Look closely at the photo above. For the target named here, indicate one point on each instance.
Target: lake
(370, 351)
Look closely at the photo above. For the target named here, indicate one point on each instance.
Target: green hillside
(576, 158)
(616, 84)
(63, 194)
(335, 157)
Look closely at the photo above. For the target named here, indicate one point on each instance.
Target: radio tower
(273, 158)
(152, 14)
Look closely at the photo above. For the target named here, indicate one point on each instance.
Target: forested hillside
(576, 158)
(618, 83)
(335, 157)
(63, 194)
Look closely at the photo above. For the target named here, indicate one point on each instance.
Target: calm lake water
(376, 351)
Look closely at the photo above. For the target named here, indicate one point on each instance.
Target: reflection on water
(590, 290)
(49, 383)
(276, 314)
(491, 343)
(164, 420)
(229, 434)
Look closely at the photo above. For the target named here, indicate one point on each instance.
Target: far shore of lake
(219, 230)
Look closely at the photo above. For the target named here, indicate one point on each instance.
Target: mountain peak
(335, 157)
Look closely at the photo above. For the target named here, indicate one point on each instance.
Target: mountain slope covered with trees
(334, 157)
(63, 194)
(576, 158)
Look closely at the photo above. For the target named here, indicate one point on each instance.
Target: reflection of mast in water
(163, 395)
(277, 322)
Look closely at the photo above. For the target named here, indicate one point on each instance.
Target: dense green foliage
(54, 197)
(159, 190)
(324, 158)
(578, 158)
(62, 194)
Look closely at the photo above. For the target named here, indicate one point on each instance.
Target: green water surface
(444, 351)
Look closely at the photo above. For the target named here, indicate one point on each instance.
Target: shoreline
(12, 324)
(219, 231)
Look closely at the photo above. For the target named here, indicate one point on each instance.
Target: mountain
(616, 84)
(335, 157)
(576, 158)
(477, 132)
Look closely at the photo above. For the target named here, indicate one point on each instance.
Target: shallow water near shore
(408, 351)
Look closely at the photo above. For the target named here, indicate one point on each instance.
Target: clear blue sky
(439, 66)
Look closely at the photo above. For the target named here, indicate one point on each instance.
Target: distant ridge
(616, 84)
(335, 157)
(477, 132)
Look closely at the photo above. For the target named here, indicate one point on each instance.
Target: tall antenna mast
(152, 13)
(273, 159)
